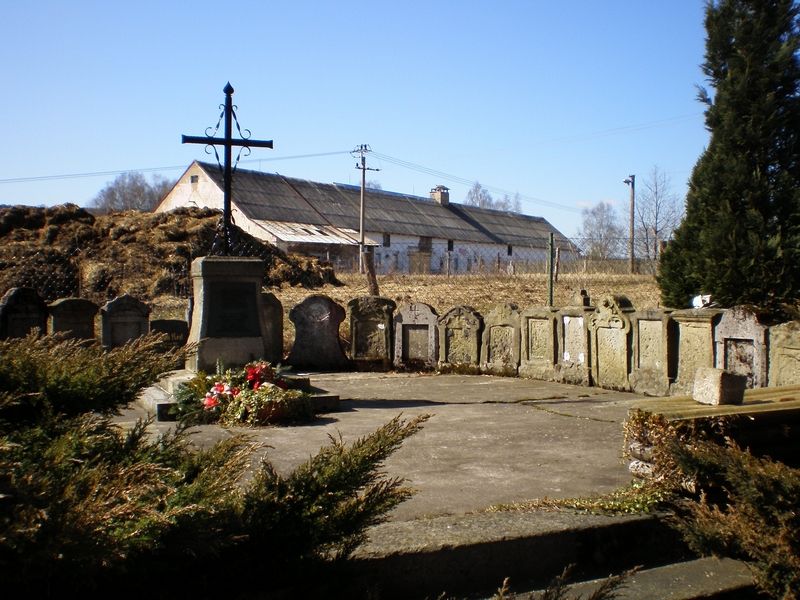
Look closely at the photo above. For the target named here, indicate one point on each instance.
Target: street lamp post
(631, 181)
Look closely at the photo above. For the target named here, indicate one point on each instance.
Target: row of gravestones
(612, 345)
(121, 320)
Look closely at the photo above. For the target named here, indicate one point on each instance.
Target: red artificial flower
(210, 402)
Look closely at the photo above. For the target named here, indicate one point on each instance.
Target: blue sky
(556, 101)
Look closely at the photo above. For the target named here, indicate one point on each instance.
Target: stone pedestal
(784, 354)
(654, 352)
(73, 317)
(611, 344)
(741, 346)
(539, 351)
(500, 343)
(416, 336)
(21, 311)
(717, 386)
(460, 338)
(316, 346)
(371, 331)
(695, 328)
(228, 316)
(124, 319)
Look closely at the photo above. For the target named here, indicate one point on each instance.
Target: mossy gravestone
(316, 346)
(21, 311)
(228, 319)
(460, 337)
(124, 319)
(74, 317)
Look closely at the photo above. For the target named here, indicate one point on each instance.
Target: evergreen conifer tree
(740, 237)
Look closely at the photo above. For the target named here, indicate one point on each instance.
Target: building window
(387, 240)
(449, 245)
(425, 243)
(510, 250)
(194, 178)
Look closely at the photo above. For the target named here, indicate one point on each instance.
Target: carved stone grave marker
(539, 350)
(316, 346)
(501, 340)
(124, 319)
(416, 336)
(654, 353)
(272, 317)
(741, 346)
(371, 331)
(611, 343)
(74, 317)
(459, 337)
(574, 365)
(228, 318)
(695, 345)
(21, 311)
(784, 354)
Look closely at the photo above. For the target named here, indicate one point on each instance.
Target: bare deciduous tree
(603, 236)
(658, 213)
(131, 191)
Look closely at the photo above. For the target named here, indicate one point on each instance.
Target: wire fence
(477, 277)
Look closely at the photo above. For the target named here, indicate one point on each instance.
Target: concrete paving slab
(489, 440)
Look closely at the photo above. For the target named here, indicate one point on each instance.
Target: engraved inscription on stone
(501, 344)
(125, 331)
(650, 344)
(574, 340)
(694, 349)
(740, 358)
(233, 310)
(458, 346)
(415, 343)
(539, 346)
(612, 357)
(370, 339)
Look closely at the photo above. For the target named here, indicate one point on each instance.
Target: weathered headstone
(784, 354)
(695, 345)
(371, 331)
(416, 336)
(228, 323)
(539, 350)
(741, 346)
(611, 343)
(460, 337)
(316, 346)
(718, 386)
(21, 311)
(73, 317)
(176, 330)
(124, 319)
(654, 354)
(574, 365)
(500, 343)
(273, 322)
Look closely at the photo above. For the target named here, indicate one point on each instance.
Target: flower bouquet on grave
(255, 395)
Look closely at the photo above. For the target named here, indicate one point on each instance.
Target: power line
(154, 169)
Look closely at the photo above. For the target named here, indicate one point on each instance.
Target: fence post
(551, 267)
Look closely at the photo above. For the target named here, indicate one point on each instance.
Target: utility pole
(362, 165)
(631, 181)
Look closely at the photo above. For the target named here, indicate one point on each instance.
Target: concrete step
(706, 578)
(467, 554)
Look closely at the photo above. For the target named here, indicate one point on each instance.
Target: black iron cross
(227, 143)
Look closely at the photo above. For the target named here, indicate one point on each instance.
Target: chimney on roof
(440, 195)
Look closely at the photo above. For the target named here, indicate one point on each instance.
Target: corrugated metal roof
(286, 206)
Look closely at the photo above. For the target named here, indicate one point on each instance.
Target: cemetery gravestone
(227, 314)
(371, 331)
(741, 346)
(459, 337)
(177, 331)
(73, 317)
(784, 354)
(653, 352)
(316, 346)
(416, 336)
(124, 319)
(501, 341)
(695, 345)
(573, 341)
(539, 354)
(21, 311)
(610, 343)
